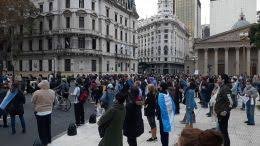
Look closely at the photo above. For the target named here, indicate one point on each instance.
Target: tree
(15, 15)
(254, 35)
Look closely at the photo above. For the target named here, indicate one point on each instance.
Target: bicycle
(62, 103)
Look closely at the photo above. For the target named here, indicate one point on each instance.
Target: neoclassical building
(79, 36)
(163, 41)
(229, 52)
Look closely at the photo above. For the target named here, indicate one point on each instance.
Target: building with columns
(163, 41)
(229, 52)
(79, 36)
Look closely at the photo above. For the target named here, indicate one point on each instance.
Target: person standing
(190, 102)
(15, 107)
(108, 97)
(78, 106)
(112, 121)
(165, 113)
(223, 106)
(133, 124)
(3, 92)
(43, 103)
(150, 108)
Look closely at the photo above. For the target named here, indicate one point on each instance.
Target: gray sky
(147, 8)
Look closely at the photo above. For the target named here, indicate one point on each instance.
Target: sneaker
(152, 139)
(250, 124)
(246, 122)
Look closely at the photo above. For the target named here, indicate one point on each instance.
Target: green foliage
(254, 35)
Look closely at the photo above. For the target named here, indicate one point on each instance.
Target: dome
(241, 22)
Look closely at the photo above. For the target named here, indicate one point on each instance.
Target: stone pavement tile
(240, 133)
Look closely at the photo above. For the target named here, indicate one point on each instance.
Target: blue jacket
(108, 98)
(190, 101)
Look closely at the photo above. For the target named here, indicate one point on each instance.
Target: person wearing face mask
(223, 106)
(252, 94)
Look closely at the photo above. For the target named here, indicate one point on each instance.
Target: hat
(44, 84)
(110, 86)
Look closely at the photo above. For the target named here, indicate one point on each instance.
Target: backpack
(83, 95)
(72, 130)
(92, 119)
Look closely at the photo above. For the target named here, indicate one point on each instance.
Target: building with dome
(163, 41)
(228, 52)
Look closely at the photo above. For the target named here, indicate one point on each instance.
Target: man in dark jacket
(223, 106)
(3, 92)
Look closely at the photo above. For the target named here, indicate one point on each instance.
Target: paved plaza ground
(240, 133)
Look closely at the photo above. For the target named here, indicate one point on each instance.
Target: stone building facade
(163, 41)
(80, 36)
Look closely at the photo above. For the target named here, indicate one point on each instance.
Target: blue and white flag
(167, 108)
(8, 98)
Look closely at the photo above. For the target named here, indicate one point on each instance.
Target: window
(121, 35)
(166, 31)
(81, 42)
(107, 29)
(126, 36)
(9, 66)
(107, 66)
(116, 48)
(116, 17)
(50, 65)
(116, 67)
(94, 45)
(94, 65)
(108, 46)
(40, 65)
(81, 3)
(20, 65)
(165, 59)
(67, 65)
(41, 27)
(166, 50)
(133, 25)
(107, 12)
(121, 66)
(49, 44)
(81, 22)
(40, 45)
(67, 22)
(134, 39)
(50, 6)
(116, 33)
(30, 65)
(50, 24)
(93, 24)
(166, 36)
(67, 43)
(30, 45)
(41, 8)
(21, 46)
(121, 19)
(93, 6)
(125, 21)
(21, 29)
(159, 50)
(67, 4)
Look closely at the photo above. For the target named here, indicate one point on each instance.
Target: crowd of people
(120, 100)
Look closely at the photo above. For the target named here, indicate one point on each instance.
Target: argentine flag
(167, 108)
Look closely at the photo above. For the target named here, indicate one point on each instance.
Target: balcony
(123, 56)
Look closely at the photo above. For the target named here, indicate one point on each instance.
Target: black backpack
(92, 119)
(72, 130)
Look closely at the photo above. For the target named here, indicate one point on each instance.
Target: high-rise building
(224, 13)
(189, 12)
(80, 36)
(163, 41)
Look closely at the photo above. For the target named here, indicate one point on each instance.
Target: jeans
(164, 135)
(132, 141)
(44, 128)
(13, 122)
(4, 114)
(79, 113)
(250, 111)
(189, 119)
(223, 127)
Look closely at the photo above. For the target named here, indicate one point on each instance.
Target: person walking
(15, 107)
(190, 102)
(223, 106)
(112, 122)
(165, 113)
(133, 124)
(43, 103)
(150, 109)
(251, 93)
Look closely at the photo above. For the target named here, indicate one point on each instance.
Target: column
(216, 61)
(226, 60)
(237, 61)
(244, 61)
(248, 61)
(258, 64)
(206, 61)
(196, 59)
